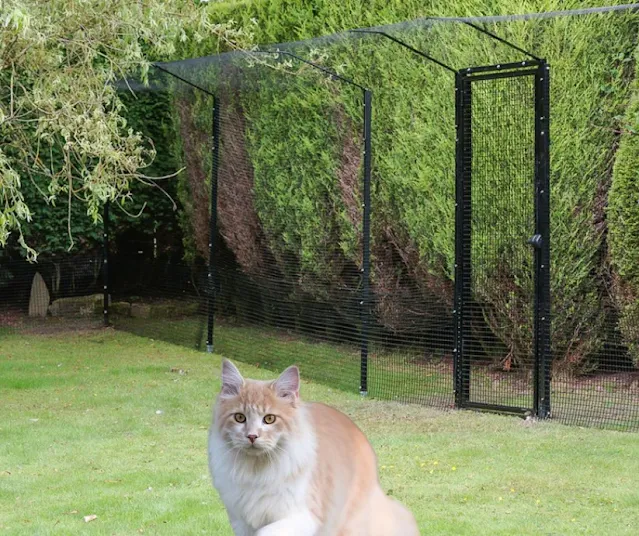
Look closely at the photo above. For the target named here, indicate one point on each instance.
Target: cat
(283, 467)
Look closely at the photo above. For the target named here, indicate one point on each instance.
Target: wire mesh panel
(274, 162)
(157, 281)
(159, 300)
(290, 209)
(497, 219)
(53, 295)
(605, 396)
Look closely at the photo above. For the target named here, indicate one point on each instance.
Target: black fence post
(215, 164)
(105, 262)
(463, 162)
(457, 304)
(365, 302)
(542, 326)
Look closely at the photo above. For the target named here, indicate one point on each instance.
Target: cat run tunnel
(334, 238)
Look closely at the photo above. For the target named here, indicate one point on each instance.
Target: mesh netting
(287, 183)
(52, 295)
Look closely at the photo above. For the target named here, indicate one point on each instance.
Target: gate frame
(540, 241)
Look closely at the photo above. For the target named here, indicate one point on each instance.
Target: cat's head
(257, 417)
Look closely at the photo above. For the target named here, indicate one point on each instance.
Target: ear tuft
(288, 384)
(232, 380)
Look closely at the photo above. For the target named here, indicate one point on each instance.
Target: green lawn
(401, 374)
(97, 423)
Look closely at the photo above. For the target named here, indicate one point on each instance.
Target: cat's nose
(252, 438)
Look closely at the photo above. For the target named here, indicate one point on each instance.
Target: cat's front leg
(300, 524)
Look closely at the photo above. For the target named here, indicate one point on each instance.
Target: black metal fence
(391, 218)
(503, 236)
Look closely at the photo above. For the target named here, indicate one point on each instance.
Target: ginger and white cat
(288, 468)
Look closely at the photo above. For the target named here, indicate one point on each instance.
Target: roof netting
(452, 42)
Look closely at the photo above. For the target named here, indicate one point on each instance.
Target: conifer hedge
(623, 223)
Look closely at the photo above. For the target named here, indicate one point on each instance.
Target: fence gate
(502, 239)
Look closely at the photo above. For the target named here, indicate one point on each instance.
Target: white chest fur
(260, 491)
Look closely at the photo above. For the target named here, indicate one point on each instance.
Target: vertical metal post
(542, 327)
(105, 262)
(215, 164)
(459, 202)
(463, 172)
(366, 231)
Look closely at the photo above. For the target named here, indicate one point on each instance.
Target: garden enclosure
(381, 208)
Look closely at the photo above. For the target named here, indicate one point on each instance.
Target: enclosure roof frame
(438, 62)
(469, 21)
(501, 40)
(332, 74)
(405, 45)
(187, 82)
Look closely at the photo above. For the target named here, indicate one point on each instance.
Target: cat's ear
(232, 380)
(288, 384)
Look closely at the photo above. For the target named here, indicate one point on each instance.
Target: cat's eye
(240, 417)
(269, 419)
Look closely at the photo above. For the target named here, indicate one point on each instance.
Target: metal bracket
(536, 241)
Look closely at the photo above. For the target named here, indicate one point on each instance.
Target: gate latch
(535, 241)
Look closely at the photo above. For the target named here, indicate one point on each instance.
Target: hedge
(623, 222)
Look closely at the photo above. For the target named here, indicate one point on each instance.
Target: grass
(403, 374)
(326, 362)
(97, 423)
